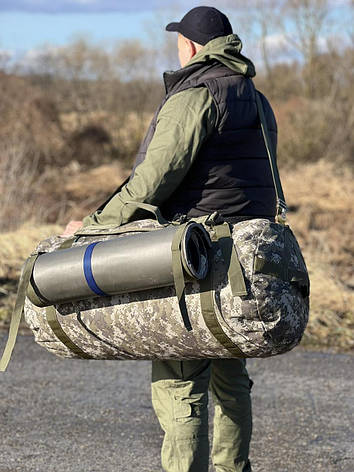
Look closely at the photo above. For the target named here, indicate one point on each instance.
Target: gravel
(85, 416)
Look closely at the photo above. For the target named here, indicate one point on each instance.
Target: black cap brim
(172, 27)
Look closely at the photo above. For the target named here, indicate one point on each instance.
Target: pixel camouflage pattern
(270, 320)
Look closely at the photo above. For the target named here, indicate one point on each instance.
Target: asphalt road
(95, 416)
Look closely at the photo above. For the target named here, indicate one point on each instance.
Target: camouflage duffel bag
(254, 302)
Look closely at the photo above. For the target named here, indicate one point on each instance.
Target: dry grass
(125, 131)
(320, 194)
(87, 190)
(307, 133)
(16, 246)
(84, 185)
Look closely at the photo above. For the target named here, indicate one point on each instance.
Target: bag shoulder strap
(281, 204)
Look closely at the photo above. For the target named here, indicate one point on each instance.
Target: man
(203, 152)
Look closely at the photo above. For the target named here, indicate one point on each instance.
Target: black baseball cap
(202, 24)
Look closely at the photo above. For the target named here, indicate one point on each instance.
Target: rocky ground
(86, 416)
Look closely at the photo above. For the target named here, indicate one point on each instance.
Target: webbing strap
(17, 312)
(178, 275)
(209, 315)
(268, 267)
(150, 208)
(281, 205)
(277, 270)
(234, 270)
(53, 322)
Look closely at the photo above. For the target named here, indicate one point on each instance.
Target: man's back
(204, 149)
(231, 173)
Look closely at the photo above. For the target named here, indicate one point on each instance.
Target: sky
(27, 25)
(79, 6)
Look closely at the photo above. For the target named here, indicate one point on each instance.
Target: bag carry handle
(150, 208)
(281, 204)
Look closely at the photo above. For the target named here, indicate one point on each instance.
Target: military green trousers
(180, 401)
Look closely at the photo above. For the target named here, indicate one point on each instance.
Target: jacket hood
(227, 50)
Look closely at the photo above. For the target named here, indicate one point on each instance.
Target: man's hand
(71, 228)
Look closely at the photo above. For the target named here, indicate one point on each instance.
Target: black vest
(231, 173)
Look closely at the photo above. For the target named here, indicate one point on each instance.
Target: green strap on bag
(17, 312)
(53, 322)
(52, 318)
(281, 204)
(233, 267)
(207, 296)
(234, 270)
(278, 270)
(151, 209)
(178, 275)
(50, 313)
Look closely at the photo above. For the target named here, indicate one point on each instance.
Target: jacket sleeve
(184, 123)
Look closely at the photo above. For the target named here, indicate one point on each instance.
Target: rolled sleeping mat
(127, 264)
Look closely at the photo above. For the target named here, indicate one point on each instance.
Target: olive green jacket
(184, 122)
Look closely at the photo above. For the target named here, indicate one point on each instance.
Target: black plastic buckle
(214, 219)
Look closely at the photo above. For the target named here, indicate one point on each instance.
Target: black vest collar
(194, 75)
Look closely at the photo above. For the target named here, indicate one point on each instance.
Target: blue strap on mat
(88, 271)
